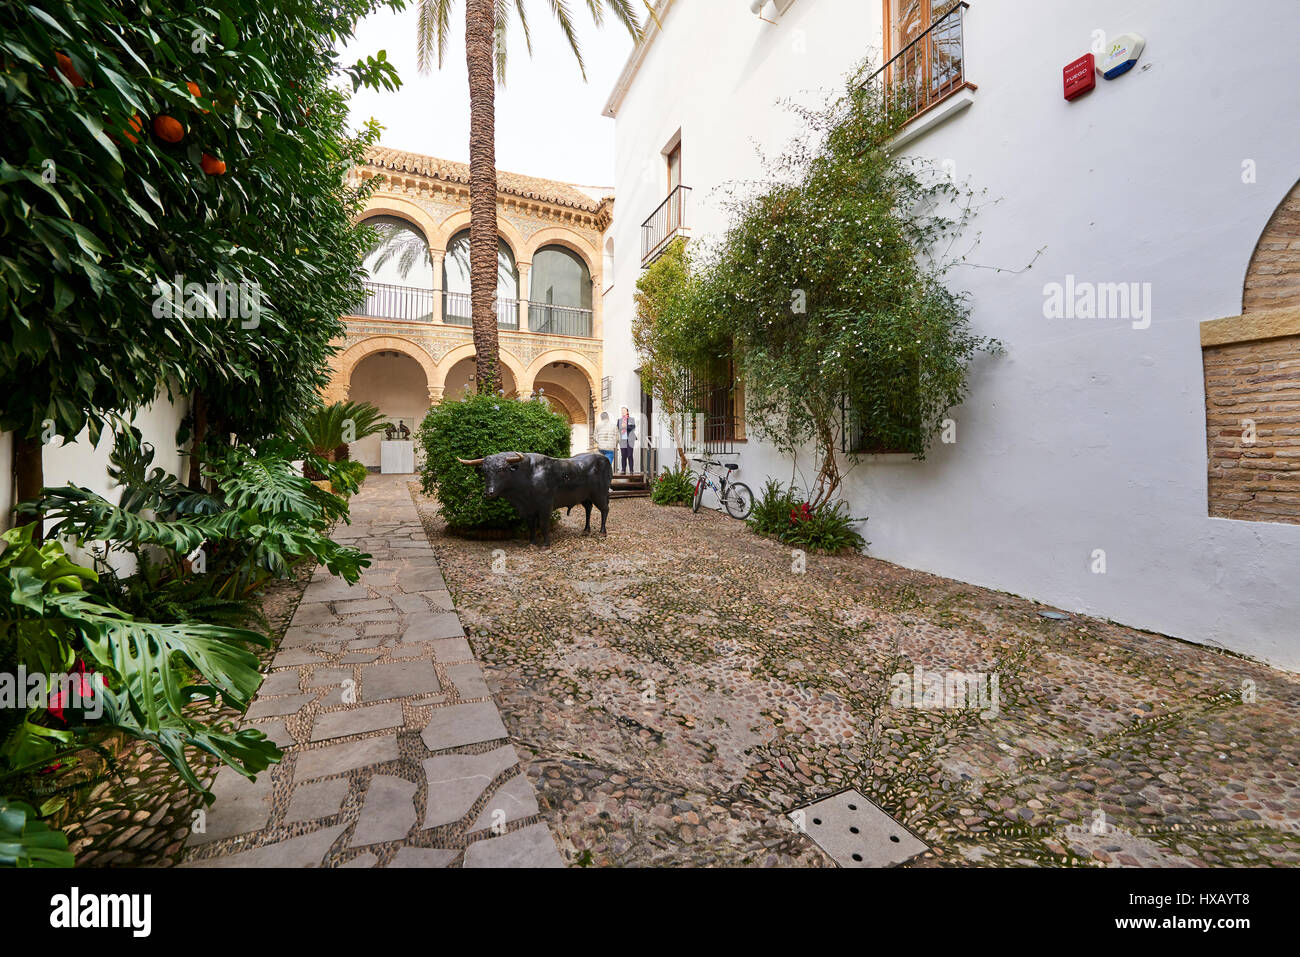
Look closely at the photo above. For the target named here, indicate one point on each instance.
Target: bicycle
(735, 497)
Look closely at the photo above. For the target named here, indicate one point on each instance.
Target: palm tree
(486, 24)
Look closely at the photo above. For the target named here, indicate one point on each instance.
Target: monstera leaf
(151, 659)
(28, 842)
(247, 750)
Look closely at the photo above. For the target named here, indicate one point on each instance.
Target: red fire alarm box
(1080, 76)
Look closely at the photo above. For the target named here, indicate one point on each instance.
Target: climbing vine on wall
(830, 282)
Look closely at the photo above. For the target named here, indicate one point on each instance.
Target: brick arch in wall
(1252, 383)
(1273, 275)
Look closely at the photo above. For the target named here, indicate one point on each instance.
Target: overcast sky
(548, 121)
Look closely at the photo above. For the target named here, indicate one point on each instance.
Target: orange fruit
(136, 125)
(168, 129)
(68, 70)
(211, 165)
(194, 90)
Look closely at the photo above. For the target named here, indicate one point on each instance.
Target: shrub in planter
(673, 487)
(781, 511)
(825, 529)
(475, 427)
(350, 476)
(771, 514)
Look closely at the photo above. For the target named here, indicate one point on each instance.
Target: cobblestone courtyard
(675, 689)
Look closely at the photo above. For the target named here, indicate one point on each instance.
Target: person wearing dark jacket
(626, 439)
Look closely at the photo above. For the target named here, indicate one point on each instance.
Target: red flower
(85, 690)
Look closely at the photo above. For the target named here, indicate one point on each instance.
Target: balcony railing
(456, 310)
(929, 68)
(664, 224)
(559, 320)
(384, 301)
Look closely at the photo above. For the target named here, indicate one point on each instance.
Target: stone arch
(1273, 274)
(560, 236)
(573, 408)
(413, 213)
(459, 220)
(560, 355)
(466, 351)
(346, 362)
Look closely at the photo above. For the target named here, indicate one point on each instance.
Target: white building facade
(1141, 466)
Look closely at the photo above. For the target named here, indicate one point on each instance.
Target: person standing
(606, 437)
(626, 439)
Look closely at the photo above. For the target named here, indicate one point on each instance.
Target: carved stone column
(525, 270)
(436, 257)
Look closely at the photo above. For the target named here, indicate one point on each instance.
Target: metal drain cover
(855, 832)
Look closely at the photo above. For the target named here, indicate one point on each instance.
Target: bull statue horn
(469, 461)
(514, 458)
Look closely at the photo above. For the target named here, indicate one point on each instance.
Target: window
(894, 424)
(456, 308)
(399, 255)
(559, 297)
(455, 270)
(713, 406)
(675, 167)
(923, 50)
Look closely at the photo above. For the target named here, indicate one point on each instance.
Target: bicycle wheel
(739, 501)
(699, 494)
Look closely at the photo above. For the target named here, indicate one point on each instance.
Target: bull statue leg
(544, 517)
(587, 506)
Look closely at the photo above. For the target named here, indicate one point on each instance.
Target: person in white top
(606, 437)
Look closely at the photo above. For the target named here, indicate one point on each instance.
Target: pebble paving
(394, 753)
(676, 688)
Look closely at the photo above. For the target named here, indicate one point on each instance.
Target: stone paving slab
(531, 846)
(395, 751)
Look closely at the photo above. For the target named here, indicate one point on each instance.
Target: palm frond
(565, 17)
(432, 29)
(523, 23)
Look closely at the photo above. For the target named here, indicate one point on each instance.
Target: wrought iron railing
(386, 301)
(664, 223)
(930, 67)
(456, 311)
(559, 320)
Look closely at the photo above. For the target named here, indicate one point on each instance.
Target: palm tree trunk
(479, 40)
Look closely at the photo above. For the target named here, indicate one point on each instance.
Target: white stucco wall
(81, 463)
(1086, 434)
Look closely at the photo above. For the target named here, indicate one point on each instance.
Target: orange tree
(174, 217)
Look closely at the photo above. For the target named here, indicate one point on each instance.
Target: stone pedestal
(396, 457)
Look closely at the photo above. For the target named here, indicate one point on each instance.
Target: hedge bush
(478, 426)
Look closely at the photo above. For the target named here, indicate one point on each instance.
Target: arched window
(560, 293)
(400, 254)
(455, 283)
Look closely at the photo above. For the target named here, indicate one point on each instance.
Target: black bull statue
(536, 485)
